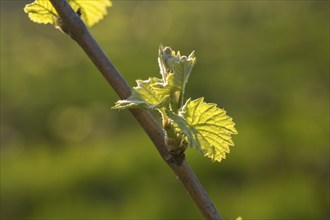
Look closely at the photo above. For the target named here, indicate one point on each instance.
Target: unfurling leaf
(92, 11)
(147, 94)
(206, 128)
(180, 66)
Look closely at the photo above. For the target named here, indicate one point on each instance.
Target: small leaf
(150, 94)
(182, 70)
(92, 11)
(180, 66)
(206, 127)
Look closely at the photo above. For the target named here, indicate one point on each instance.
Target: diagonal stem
(78, 32)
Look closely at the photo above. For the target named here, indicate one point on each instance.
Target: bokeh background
(65, 154)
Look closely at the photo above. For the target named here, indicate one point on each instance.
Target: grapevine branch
(74, 27)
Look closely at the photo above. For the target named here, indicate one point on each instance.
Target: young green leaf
(150, 94)
(182, 70)
(180, 66)
(206, 127)
(92, 11)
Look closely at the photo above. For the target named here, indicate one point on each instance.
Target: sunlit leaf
(206, 127)
(180, 66)
(148, 94)
(41, 11)
(182, 70)
(92, 11)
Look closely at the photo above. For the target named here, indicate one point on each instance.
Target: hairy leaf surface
(150, 94)
(180, 66)
(182, 70)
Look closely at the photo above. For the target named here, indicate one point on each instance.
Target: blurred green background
(66, 155)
